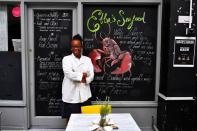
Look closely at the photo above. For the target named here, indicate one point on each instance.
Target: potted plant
(104, 111)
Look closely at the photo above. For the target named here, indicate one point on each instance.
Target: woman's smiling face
(76, 48)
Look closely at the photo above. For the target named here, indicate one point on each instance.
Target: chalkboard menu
(52, 35)
(121, 42)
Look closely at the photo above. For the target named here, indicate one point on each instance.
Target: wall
(178, 67)
(176, 79)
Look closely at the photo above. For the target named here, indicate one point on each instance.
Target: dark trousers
(69, 108)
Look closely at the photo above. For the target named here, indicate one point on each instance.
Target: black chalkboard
(121, 41)
(52, 34)
(10, 76)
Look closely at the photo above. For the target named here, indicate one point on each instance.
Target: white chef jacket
(73, 91)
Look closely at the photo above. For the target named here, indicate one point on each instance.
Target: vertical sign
(184, 51)
(121, 42)
(3, 28)
(52, 34)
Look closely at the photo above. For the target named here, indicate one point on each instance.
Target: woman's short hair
(78, 37)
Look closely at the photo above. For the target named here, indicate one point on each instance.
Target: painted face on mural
(76, 48)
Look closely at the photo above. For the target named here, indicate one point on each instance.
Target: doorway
(50, 28)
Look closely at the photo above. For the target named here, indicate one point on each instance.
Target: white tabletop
(82, 122)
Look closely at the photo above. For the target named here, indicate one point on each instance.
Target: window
(10, 52)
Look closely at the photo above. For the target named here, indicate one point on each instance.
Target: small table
(82, 122)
